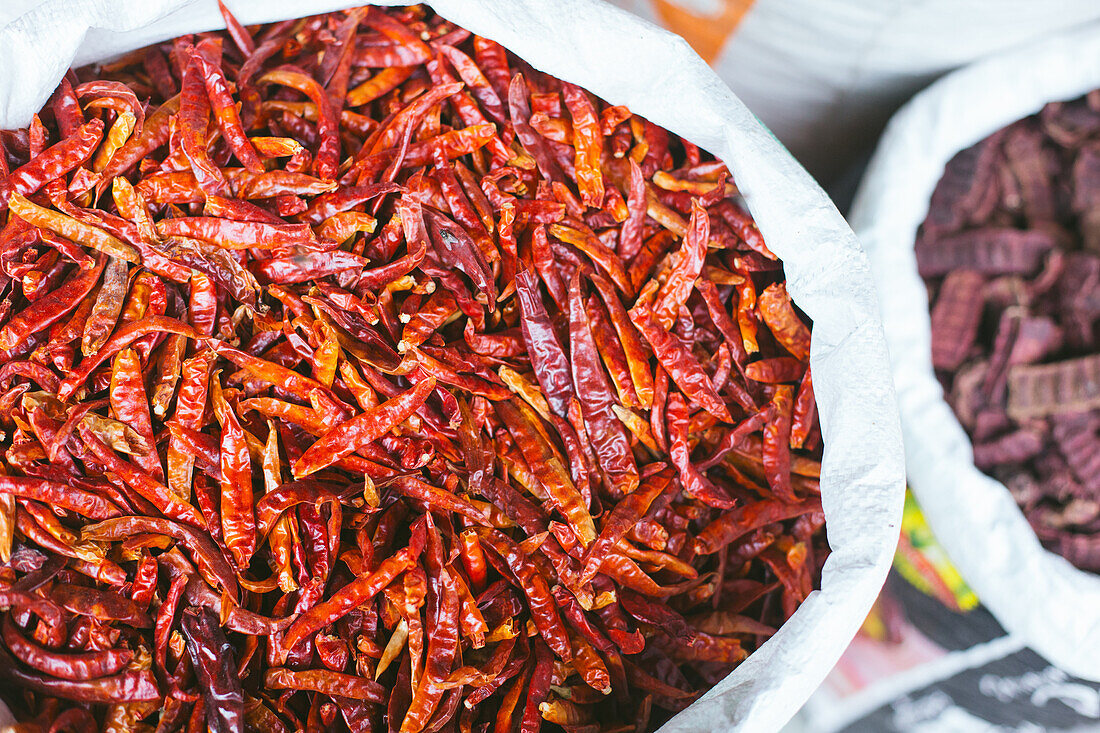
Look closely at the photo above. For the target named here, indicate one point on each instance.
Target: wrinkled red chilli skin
(373, 372)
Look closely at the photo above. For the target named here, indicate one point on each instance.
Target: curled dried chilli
(1010, 252)
(359, 376)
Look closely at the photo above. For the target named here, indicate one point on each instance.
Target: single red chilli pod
(637, 356)
(145, 581)
(788, 328)
(58, 160)
(212, 658)
(131, 406)
(520, 111)
(588, 142)
(608, 436)
(166, 615)
(237, 32)
(100, 604)
(144, 485)
(543, 608)
(456, 248)
(689, 264)
(362, 430)
(443, 645)
(605, 259)
(223, 106)
(473, 559)
(72, 228)
(476, 81)
(193, 117)
(410, 115)
(208, 558)
(327, 682)
(358, 592)
(237, 234)
(776, 370)
(742, 520)
(268, 371)
(125, 687)
(119, 341)
(78, 666)
(538, 689)
(66, 108)
(71, 498)
(437, 498)
(691, 477)
(548, 467)
(681, 365)
(805, 410)
(548, 358)
(777, 436)
(237, 515)
(332, 203)
(625, 514)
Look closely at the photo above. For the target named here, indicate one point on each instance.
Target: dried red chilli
(421, 385)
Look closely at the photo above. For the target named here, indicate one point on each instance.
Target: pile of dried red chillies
(354, 374)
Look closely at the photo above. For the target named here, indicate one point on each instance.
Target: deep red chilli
(358, 376)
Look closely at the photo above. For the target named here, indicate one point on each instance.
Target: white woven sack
(1035, 594)
(628, 61)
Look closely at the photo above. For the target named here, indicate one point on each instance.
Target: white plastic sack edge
(626, 60)
(1033, 593)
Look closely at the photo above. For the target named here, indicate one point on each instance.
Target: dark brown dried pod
(1085, 179)
(996, 379)
(989, 423)
(968, 189)
(955, 318)
(1038, 390)
(989, 250)
(1089, 224)
(1076, 437)
(1016, 447)
(1024, 488)
(1083, 550)
(1034, 167)
(1036, 338)
(966, 396)
(1070, 123)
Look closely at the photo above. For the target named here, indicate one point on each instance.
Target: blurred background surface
(825, 75)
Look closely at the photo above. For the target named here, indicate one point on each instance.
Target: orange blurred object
(706, 32)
